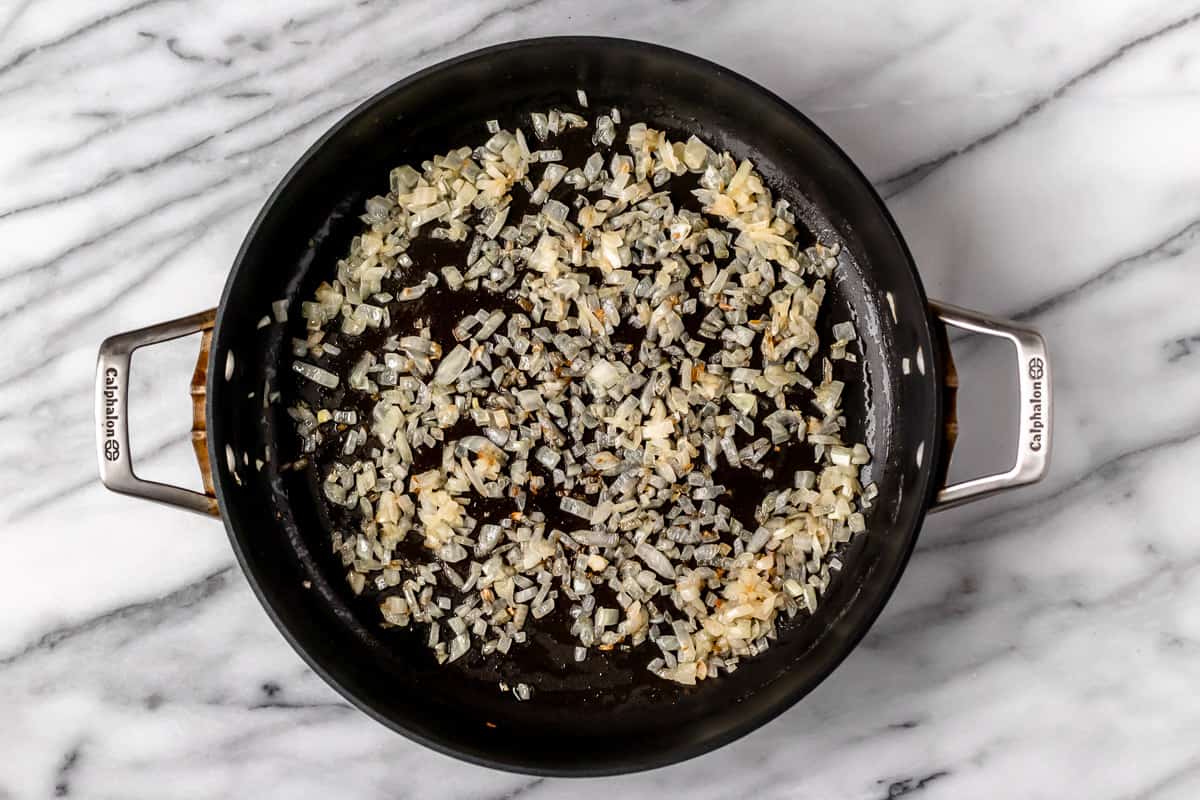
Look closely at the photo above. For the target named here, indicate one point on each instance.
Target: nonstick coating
(607, 715)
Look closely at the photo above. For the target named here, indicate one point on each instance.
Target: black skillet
(607, 715)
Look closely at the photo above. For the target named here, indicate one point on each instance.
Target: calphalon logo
(112, 448)
(1037, 424)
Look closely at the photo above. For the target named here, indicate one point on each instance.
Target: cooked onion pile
(560, 455)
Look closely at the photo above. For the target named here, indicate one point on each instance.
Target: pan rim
(631, 762)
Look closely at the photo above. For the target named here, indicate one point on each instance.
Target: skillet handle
(1033, 381)
(112, 414)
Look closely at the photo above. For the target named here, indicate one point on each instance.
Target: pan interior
(607, 714)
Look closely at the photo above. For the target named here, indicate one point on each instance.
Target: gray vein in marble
(334, 81)
(1173, 571)
(62, 491)
(282, 104)
(960, 602)
(213, 89)
(83, 30)
(35, 79)
(62, 778)
(273, 703)
(285, 705)
(905, 787)
(912, 176)
(481, 24)
(294, 129)
(1178, 242)
(878, 67)
(147, 614)
(285, 722)
(1174, 244)
(112, 177)
(1181, 348)
(176, 50)
(74, 67)
(335, 37)
(300, 23)
(361, 67)
(522, 790)
(191, 233)
(94, 114)
(196, 228)
(55, 261)
(428, 50)
(1176, 778)
(1007, 521)
(125, 120)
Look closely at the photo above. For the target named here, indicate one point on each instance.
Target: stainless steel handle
(1035, 418)
(112, 414)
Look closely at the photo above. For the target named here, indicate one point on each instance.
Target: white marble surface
(1043, 160)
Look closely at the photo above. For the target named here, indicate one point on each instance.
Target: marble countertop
(1042, 160)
